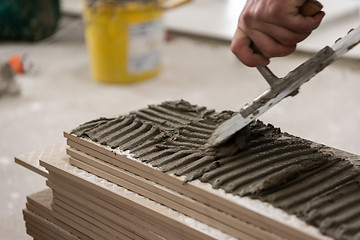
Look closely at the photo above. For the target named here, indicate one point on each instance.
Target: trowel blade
(289, 85)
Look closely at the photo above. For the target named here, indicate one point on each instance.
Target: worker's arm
(275, 26)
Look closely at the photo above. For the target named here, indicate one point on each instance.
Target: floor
(63, 95)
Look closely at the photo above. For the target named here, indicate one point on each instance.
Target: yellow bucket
(124, 39)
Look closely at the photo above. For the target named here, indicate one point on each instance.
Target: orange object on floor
(16, 63)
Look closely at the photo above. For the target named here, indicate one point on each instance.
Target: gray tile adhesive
(260, 162)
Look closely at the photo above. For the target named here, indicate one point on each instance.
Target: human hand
(274, 26)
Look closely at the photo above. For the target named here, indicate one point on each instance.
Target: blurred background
(65, 62)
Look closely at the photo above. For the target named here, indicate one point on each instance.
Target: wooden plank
(69, 221)
(39, 208)
(118, 212)
(40, 212)
(275, 220)
(66, 195)
(99, 221)
(30, 160)
(168, 197)
(36, 234)
(70, 228)
(43, 201)
(90, 226)
(47, 227)
(39, 232)
(90, 215)
(120, 195)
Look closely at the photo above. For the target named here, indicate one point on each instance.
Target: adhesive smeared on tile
(260, 162)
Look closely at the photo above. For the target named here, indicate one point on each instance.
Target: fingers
(240, 46)
(288, 14)
(302, 24)
(269, 47)
(282, 38)
(279, 34)
(317, 19)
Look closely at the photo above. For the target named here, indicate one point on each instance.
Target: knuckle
(246, 18)
(234, 47)
(249, 18)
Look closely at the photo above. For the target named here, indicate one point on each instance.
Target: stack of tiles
(150, 175)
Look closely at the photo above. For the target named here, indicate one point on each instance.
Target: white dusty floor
(204, 72)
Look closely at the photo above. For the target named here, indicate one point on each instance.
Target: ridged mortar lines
(159, 117)
(342, 191)
(260, 162)
(343, 212)
(189, 158)
(175, 116)
(147, 133)
(318, 178)
(243, 181)
(308, 192)
(206, 127)
(104, 131)
(158, 154)
(121, 134)
(130, 133)
(95, 124)
(191, 167)
(243, 162)
(191, 133)
(176, 156)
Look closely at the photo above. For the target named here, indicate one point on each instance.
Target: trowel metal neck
(269, 76)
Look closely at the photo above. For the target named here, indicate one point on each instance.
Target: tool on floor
(283, 87)
(22, 64)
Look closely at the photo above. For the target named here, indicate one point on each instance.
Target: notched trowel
(283, 87)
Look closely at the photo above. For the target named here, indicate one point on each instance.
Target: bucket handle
(170, 4)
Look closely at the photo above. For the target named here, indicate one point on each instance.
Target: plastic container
(124, 39)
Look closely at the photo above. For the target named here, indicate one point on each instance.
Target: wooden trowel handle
(310, 8)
